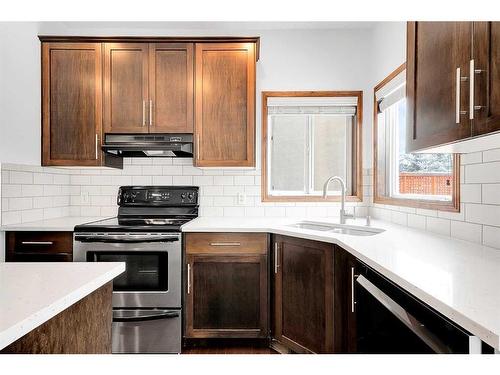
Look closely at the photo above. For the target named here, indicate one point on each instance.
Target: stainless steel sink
(338, 228)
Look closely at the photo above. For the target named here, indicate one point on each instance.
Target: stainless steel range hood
(149, 145)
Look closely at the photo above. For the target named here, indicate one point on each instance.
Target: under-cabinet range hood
(149, 145)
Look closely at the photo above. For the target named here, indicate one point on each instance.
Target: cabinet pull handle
(97, 147)
(150, 112)
(471, 89)
(457, 97)
(188, 279)
(353, 302)
(276, 263)
(225, 244)
(37, 242)
(143, 113)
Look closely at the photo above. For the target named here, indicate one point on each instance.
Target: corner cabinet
(226, 285)
(71, 104)
(303, 295)
(225, 104)
(453, 82)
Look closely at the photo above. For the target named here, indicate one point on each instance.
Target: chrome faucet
(343, 215)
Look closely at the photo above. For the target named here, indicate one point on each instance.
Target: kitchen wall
(35, 193)
(479, 217)
(291, 59)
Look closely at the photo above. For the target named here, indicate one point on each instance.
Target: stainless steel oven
(147, 296)
(153, 265)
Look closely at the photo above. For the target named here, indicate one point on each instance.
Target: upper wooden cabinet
(148, 87)
(71, 104)
(453, 78)
(125, 87)
(225, 104)
(171, 82)
(97, 85)
(486, 55)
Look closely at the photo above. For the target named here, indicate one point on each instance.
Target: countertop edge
(25, 326)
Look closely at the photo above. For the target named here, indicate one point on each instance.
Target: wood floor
(229, 350)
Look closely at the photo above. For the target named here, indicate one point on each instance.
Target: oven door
(146, 331)
(153, 266)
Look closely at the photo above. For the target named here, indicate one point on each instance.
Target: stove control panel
(158, 196)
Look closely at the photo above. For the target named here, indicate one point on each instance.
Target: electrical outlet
(85, 197)
(242, 199)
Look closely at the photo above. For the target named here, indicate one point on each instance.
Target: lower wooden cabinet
(303, 295)
(226, 285)
(39, 247)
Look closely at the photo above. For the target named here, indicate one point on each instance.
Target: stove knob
(190, 196)
(183, 195)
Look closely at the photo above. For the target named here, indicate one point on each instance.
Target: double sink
(337, 228)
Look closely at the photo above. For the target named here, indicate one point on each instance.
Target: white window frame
(392, 160)
(309, 156)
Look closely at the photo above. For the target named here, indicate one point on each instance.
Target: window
(308, 137)
(418, 180)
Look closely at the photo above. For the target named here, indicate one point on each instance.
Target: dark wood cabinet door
(435, 50)
(39, 246)
(486, 55)
(226, 296)
(72, 104)
(225, 104)
(303, 295)
(126, 105)
(345, 273)
(171, 88)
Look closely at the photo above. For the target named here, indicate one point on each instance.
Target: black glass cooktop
(128, 224)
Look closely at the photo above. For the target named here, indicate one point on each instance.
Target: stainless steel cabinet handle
(188, 279)
(143, 113)
(37, 242)
(276, 254)
(150, 112)
(96, 147)
(353, 302)
(471, 89)
(225, 244)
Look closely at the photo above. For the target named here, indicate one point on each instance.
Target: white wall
(322, 59)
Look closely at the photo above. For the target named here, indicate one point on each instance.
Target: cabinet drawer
(233, 243)
(39, 246)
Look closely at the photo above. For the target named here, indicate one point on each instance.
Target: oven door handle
(417, 327)
(146, 316)
(125, 239)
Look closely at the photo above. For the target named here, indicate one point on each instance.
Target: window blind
(392, 92)
(312, 105)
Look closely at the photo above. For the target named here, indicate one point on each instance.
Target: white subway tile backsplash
(438, 226)
(491, 194)
(32, 190)
(416, 221)
(43, 178)
(482, 214)
(172, 170)
(482, 173)
(244, 180)
(472, 158)
(162, 180)
(182, 180)
(466, 231)
(20, 203)
(223, 180)
(17, 177)
(491, 236)
(152, 170)
(491, 155)
(470, 193)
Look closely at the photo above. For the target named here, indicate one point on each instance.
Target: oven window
(145, 271)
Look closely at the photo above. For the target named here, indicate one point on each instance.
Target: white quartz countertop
(33, 293)
(62, 224)
(457, 278)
